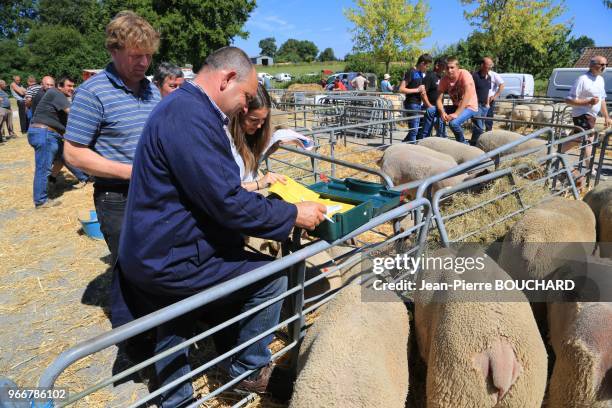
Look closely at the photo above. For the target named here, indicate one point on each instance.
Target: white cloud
(270, 23)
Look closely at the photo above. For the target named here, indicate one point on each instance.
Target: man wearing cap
(385, 84)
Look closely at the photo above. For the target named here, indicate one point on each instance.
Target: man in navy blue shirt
(412, 86)
(186, 218)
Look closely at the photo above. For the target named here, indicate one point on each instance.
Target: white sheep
(504, 108)
(535, 108)
(545, 114)
(496, 138)
(521, 112)
(355, 354)
(580, 336)
(546, 237)
(460, 152)
(405, 163)
(479, 353)
(600, 201)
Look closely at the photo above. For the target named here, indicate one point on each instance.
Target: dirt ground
(54, 288)
(54, 285)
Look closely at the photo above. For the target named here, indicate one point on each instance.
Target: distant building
(262, 60)
(590, 52)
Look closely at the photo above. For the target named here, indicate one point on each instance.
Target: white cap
(386, 76)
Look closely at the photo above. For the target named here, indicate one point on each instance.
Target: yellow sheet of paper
(294, 192)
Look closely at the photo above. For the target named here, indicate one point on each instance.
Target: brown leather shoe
(258, 381)
(270, 379)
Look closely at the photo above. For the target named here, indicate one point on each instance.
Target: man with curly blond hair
(107, 117)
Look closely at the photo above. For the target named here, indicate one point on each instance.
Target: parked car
(521, 86)
(372, 79)
(188, 73)
(262, 75)
(562, 79)
(282, 77)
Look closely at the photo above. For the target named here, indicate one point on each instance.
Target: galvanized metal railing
(294, 261)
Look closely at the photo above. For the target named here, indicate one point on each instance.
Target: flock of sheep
(406, 163)
(471, 354)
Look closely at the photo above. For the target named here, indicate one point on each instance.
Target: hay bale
(521, 112)
(496, 138)
(458, 151)
(305, 88)
(496, 208)
(355, 354)
(397, 100)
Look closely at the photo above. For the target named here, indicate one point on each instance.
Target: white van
(562, 79)
(521, 86)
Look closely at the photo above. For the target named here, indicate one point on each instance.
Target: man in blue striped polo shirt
(107, 117)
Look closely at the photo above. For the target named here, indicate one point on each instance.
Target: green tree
(390, 29)
(327, 55)
(268, 46)
(16, 17)
(608, 3)
(509, 25)
(86, 16)
(59, 50)
(294, 50)
(13, 59)
(190, 29)
(578, 44)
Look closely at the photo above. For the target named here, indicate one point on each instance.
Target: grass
(302, 69)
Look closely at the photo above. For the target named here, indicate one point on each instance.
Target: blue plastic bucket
(91, 226)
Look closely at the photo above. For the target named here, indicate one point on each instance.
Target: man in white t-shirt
(588, 98)
(359, 82)
(497, 86)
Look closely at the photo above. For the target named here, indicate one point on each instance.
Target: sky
(322, 22)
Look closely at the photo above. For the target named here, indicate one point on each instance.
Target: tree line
(63, 37)
(520, 35)
(294, 51)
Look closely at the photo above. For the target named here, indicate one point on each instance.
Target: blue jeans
(252, 357)
(490, 113)
(46, 148)
(413, 124)
(478, 125)
(455, 124)
(434, 120)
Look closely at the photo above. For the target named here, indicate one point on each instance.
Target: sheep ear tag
(324, 178)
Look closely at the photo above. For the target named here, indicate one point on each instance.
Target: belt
(112, 188)
(41, 126)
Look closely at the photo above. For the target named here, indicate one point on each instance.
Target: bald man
(588, 99)
(47, 83)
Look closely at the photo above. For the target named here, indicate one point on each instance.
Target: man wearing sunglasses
(588, 98)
